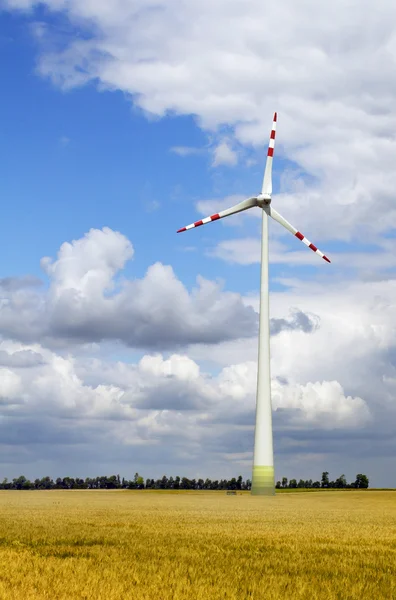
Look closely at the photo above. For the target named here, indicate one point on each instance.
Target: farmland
(139, 544)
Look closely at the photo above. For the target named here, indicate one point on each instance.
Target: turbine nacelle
(263, 200)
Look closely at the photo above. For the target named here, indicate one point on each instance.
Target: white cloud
(242, 251)
(333, 360)
(186, 150)
(180, 414)
(143, 394)
(247, 251)
(9, 384)
(87, 266)
(332, 85)
(20, 358)
(353, 342)
(177, 366)
(323, 404)
(86, 303)
(223, 154)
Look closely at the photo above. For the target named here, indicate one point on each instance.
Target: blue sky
(120, 125)
(89, 159)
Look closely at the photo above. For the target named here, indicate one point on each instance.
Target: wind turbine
(263, 480)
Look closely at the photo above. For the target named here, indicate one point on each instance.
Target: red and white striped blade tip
(310, 245)
(201, 222)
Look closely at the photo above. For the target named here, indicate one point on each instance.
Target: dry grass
(112, 545)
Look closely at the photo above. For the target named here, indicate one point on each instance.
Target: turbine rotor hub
(263, 199)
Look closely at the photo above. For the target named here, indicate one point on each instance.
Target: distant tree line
(113, 482)
(361, 481)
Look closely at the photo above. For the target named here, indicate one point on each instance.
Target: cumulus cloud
(323, 404)
(86, 302)
(87, 266)
(354, 344)
(9, 384)
(351, 341)
(223, 154)
(162, 413)
(157, 397)
(13, 284)
(338, 377)
(20, 358)
(298, 321)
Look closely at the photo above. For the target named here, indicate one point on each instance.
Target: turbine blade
(277, 217)
(249, 203)
(267, 181)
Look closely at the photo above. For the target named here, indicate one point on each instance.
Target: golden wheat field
(108, 545)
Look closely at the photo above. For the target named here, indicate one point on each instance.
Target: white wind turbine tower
(263, 480)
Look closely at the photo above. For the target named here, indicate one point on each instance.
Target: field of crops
(106, 545)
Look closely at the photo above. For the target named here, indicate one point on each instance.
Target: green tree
(232, 484)
(164, 483)
(19, 482)
(47, 483)
(293, 483)
(278, 485)
(111, 482)
(325, 479)
(284, 482)
(341, 482)
(361, 481)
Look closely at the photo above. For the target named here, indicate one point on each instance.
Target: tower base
(263, 481)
